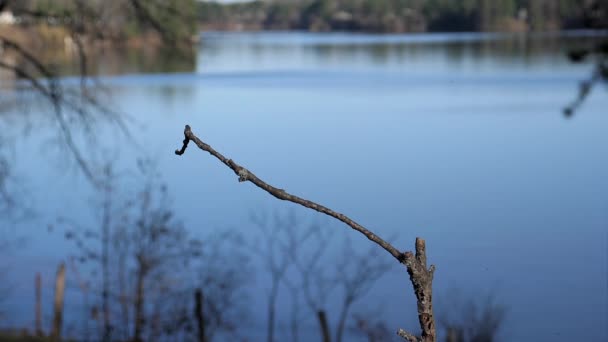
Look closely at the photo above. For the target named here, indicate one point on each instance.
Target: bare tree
(333, 267)
(311, 264)
(223, 275)
(472, 319)
(160, 245)
(371, 329)
(94, 245)
(317, 277)
(207, 270)
(357, 273)
(276, 240)
(421, 276)
(140, 248)
(155, 267)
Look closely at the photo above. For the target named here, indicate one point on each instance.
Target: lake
(456, 138)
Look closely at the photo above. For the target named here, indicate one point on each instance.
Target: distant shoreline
(566, 32)
(47, 36)
(388, 16)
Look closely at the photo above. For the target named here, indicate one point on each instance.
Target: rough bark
(422, 280)
(421, 277)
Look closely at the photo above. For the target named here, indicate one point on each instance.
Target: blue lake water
(459, 139)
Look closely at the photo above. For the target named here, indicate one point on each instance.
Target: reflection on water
(455, 138)
(108, 61)
(295, 51)
(257, 51)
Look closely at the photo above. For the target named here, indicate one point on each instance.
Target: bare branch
(246, 175)
(420, 276)
(584, 90)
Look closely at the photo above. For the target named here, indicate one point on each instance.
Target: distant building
(7, 18)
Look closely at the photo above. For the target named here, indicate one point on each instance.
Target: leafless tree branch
(420, 276)
(246, 175)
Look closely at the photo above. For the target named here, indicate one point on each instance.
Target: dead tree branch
(246, 175)
(420, 276)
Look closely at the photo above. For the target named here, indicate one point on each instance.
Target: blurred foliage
(395, 15)
(173, 19)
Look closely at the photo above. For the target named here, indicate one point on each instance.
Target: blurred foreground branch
(598, 75)
(595, 16)
(83, 29)
(416, 264)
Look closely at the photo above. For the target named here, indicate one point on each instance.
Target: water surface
(459, 139)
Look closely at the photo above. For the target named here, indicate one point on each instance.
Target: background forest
(395, 15)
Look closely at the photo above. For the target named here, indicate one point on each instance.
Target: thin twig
(246, 175)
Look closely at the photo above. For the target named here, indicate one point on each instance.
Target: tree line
(395, 15)
(107, 20)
